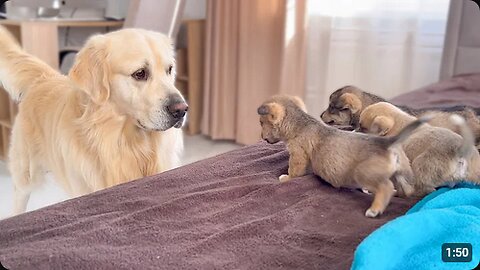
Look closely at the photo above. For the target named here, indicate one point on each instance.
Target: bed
(226, 212)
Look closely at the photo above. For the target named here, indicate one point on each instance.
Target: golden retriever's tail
(465, 132)
(408, 130)
(19, 70)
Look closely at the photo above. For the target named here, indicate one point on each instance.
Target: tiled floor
(196, 148)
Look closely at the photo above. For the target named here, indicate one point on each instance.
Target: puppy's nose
(178, 109)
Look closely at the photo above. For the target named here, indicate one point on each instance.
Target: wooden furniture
(40, 38)
(190, 65)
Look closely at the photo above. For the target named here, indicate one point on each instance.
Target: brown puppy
(438, 156)
(344, 159)
(347, 103)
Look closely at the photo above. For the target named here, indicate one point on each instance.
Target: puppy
(438, 156)
(347, 103)
(109, 121)
(443, 119)
(344, 159)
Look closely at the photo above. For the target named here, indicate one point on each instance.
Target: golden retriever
(109, 121)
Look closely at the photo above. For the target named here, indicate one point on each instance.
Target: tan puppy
(438, 156)
(106, 123)
(344, 159)
(443, 119)
(347, 103)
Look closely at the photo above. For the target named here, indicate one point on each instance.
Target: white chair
(162, 16)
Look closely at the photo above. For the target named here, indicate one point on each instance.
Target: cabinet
(190, 67)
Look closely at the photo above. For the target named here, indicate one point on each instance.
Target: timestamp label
(457, 252)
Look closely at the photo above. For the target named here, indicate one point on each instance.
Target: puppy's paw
(404, 192)
(284, 178)
(371, 213)
(366, 191)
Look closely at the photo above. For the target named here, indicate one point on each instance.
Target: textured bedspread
(226, 212)
(459, 90)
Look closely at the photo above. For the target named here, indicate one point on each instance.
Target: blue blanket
(414, 241)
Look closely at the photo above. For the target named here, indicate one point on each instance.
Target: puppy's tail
(19, 70)
(465, 132)
(408, 130)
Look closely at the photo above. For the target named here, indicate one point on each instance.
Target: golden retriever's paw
(371, 213)
(284, 178)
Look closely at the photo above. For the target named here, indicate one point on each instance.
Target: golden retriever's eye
(140, 75)
(169, 70)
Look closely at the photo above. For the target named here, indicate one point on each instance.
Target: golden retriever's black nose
(178, 109)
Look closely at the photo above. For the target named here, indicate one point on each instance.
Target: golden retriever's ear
(351, 101)
(299, 102)
(381, 125)
(91, 70)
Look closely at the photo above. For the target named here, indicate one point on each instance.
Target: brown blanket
(227, 212)
(459, 90)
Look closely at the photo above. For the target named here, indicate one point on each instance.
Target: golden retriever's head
(134, 71)
(344, 105)
(273, 113)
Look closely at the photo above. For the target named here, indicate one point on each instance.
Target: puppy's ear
(91, 70)
(299, 102)
(274, 111)
(263, 110)
(381, 125)
(351, 101)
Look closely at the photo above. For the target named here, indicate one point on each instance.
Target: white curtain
(387, 47)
